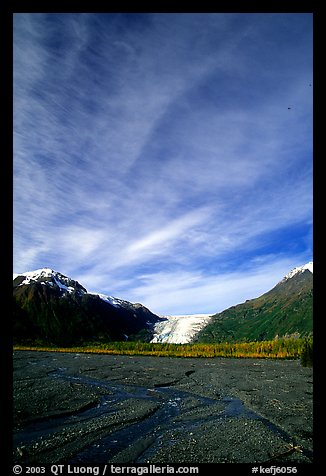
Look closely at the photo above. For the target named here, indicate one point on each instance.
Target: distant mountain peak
(300, 269)
(57, 309)
(48, 276)
(285, 310)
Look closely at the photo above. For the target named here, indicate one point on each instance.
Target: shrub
(306, 357)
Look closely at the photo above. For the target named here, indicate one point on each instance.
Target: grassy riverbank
(275, 349)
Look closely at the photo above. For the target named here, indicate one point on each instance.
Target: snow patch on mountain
(48, 276)
(179, 329)
(35, 275)
(110, 299)
(299, 269)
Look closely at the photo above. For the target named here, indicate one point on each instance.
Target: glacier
(179, 329)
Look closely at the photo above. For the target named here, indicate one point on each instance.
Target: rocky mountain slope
(287, 309)
(49, 307)
(52, 308)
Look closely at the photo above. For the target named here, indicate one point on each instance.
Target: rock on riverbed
(86, 408)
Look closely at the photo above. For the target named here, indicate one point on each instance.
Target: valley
(51, 308)
(78, 408)
(98, 379)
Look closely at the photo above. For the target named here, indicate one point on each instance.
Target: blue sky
(164, 158)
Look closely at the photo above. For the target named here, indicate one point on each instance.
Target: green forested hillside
(285, 310)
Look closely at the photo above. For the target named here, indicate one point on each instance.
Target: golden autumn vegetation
(287, 348)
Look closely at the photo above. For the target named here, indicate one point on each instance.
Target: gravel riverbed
(86, 408)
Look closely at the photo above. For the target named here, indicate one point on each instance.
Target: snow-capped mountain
(53, 308)
(300, 269)
(284, 310)
(49, 277)
(179, 329)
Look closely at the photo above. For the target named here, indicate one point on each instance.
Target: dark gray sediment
(86, 408)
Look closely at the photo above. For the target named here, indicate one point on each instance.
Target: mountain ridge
(299, 269)
(284, 310)
(52, 308)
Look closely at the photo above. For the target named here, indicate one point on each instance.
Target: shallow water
(144, 409)
(167, 416)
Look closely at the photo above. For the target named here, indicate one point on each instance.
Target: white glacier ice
(179, 329)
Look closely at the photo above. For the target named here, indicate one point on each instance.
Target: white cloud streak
(183, 293)
(164, 143)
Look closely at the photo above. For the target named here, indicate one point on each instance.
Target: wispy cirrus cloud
(195, 292)
(160, 144)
